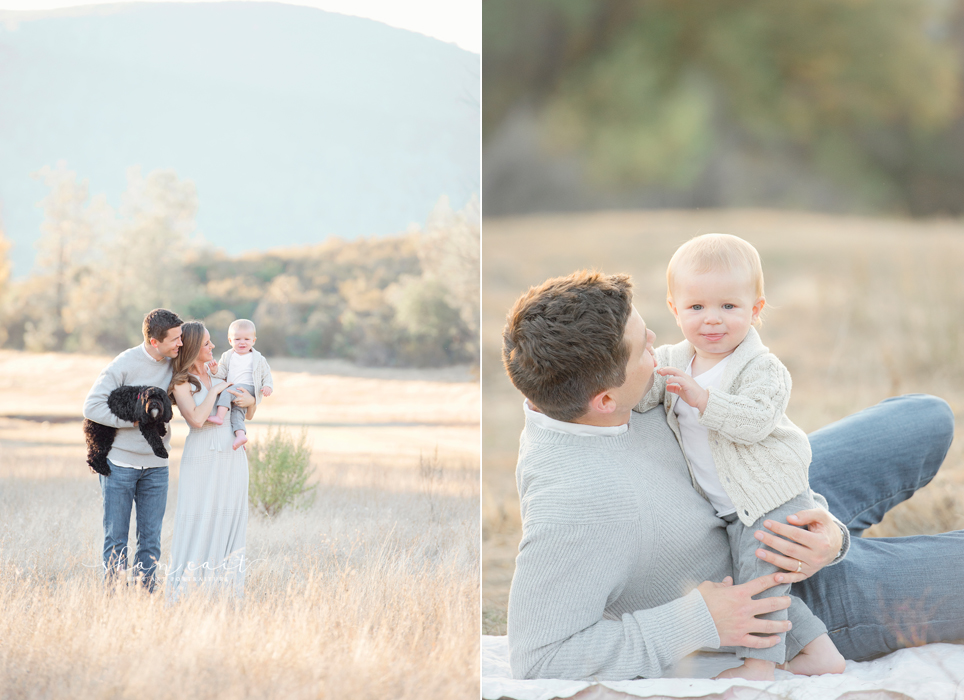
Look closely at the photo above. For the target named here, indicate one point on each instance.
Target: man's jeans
(888, 593)
(147, 489)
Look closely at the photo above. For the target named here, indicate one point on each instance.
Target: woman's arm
(245, 400)
(196, 415)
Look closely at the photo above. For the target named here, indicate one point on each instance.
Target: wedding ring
(799, 566)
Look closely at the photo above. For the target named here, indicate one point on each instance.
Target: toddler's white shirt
(240, 371)
(696, 441)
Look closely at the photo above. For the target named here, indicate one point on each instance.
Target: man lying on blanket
(624, 568)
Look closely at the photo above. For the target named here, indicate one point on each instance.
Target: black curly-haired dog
(147, 406)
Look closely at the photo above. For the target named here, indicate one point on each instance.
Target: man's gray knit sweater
(131, 368)
(614, 541)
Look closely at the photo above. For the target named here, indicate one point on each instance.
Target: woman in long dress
(212, 493)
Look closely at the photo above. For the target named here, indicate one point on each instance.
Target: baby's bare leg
(241, 438)
(817, 658)
(224, 405)
(219, 418)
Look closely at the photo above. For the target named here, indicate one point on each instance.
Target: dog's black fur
(147, 406)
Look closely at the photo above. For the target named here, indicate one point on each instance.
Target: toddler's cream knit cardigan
(762, 458)
(259, 371)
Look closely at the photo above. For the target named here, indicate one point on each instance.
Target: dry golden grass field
(858, 309)
(371, 592)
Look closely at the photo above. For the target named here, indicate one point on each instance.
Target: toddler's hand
(266, 391)
(684, 386)
(213, 366)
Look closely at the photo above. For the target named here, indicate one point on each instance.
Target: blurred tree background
(835, 105)
(409, 300)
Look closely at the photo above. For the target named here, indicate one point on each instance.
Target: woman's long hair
(192, 338)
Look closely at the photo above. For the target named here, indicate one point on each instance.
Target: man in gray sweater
(624, 568)
(137, 476)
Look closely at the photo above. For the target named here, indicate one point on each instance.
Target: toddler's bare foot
(751, 670)
(240, 440)
(215, 420)
(817, 658)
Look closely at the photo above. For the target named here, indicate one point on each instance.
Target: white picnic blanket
(929, 672)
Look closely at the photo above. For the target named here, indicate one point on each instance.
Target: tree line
(659, 95)
(407, 300)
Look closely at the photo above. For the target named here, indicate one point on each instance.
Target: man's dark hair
(564, 342)
(158, 322)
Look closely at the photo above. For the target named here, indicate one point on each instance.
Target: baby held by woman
(242, 366)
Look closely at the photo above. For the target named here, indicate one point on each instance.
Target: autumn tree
(97, 271)
(143, 267)
(395, 301)
(67, 247)
(442, 306)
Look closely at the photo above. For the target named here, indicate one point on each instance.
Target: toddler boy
(744, 454)
(242, 366)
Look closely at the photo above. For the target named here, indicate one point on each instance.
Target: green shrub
(279, 468)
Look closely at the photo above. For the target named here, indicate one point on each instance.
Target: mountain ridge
(295, 124)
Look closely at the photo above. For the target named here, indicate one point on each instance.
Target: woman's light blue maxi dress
(212, 513)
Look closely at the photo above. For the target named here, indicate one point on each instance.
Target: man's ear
(602, 402)
(672, 308)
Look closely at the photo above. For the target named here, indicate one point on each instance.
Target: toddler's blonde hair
(240, 323)
(715, 251)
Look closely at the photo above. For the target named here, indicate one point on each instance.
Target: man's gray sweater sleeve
(566, 575)
(95, 405)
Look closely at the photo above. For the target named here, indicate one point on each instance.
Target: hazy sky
(455, 21)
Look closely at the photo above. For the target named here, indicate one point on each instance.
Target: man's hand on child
(266, 391)
(683, 385)
(809, 541)
(734, 610)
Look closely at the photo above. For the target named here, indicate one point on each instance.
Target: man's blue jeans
(147, 490)
(888, 593)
